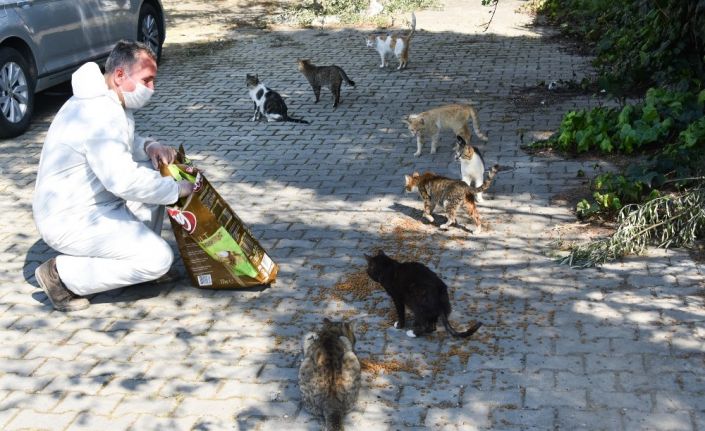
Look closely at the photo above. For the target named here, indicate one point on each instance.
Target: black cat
(268, 102)
(415, 286)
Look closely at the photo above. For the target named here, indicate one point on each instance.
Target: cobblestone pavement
(619, 347)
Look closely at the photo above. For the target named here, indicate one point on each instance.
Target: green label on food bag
(223, 248)
(180, 174)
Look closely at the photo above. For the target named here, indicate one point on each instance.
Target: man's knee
(158, 259)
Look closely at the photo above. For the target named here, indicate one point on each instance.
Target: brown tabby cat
(454, 117)
(329, 376)
(325, 76)
(435, 189)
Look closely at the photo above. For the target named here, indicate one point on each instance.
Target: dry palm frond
(667, 221)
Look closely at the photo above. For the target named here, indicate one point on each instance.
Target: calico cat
(435, 189)
(472, 165)
(268, 102)
(454, 117)
(325, 76)
(329, 376)
(413, 285)
(397, 44)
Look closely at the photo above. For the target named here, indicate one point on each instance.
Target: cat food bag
(217, 248)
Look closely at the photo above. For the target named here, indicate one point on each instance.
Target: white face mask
(137, 98)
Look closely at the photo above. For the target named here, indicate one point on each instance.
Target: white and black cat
(472, 165)
(268, 102)
(414, 285)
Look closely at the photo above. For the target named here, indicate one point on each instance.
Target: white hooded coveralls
(97, 199)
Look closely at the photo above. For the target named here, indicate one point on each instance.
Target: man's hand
(159, 154)
(185, 188)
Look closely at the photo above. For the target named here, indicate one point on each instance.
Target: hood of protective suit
(88, 82)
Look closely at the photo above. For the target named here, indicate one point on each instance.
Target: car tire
(150, 29)
(16, 93)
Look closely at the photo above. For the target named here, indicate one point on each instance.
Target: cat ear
(326, 320)
(367, 258)
(380, 253)
(415, 174)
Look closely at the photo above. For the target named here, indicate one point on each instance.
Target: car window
(64, 31)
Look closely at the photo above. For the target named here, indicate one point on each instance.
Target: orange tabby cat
(454, 117)
(435, 189)
(387, 44)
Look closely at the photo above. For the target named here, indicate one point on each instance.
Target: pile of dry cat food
(356, 285)
(385, 367)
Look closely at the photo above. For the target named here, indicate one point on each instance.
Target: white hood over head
(88, 82)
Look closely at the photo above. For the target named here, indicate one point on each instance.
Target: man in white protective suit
(99, 198)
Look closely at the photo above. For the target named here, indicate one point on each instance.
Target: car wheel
(16, 93)
(150, 30)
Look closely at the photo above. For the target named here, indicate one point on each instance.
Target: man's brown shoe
(61, 298)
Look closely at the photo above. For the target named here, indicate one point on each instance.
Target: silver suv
(42, 42)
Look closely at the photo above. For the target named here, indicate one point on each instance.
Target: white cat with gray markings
(472, 165)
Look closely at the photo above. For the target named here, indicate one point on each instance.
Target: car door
(64, 32)
(114, 20)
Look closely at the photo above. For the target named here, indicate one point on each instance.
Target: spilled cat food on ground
(375, 368)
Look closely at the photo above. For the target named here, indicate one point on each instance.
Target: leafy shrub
(638, 43)
(351, 11)
(657, 121)
(614, 191)
(668, 124)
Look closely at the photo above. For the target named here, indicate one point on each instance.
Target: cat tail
(476, 125)
(295, 120)
(473, 328)
(345, 77)
(333, 420)
(471, 191)
(413, 27)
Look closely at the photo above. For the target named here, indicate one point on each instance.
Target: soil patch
(545, 94)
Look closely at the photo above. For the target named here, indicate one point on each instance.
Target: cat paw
(444, 226)
(428, 217)
(396, 325)
(433, 151)
(418, 153)
(410, 333)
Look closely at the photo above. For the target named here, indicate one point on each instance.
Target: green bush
(638, 43)
(664, 117)
(668, 127)
(351, 11)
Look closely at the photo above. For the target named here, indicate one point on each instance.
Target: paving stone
(82, 402)
(589, 420)
(90, 421)
(526, 418)
(29, 419)
(661, 421)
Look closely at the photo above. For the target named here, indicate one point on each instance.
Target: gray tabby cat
(325, 76)
(329, 376)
